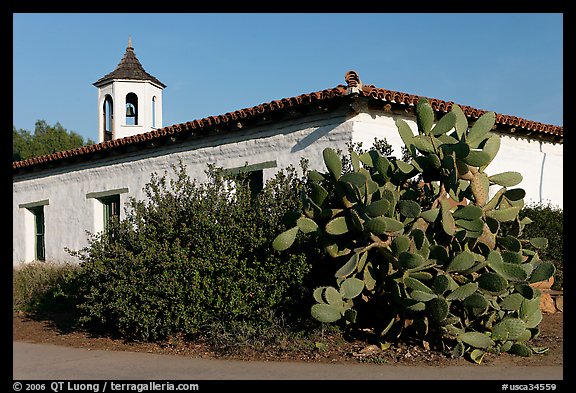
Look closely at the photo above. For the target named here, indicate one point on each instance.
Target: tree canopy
(46, 139)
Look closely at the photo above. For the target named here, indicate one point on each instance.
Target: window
(111, 206)
(39, 243)
(253, 175)
(108, 118)
(106, 206)
(35, 227)
(131, 109)
(154, 111)
(254, 180)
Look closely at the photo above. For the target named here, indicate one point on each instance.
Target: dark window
(256, 181)
(251, 175)
(153, 111)
(108, 118)
(39, 245)
(111, 208)
(131, 109)
(253, 179)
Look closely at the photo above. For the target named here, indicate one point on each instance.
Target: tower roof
(128, 68)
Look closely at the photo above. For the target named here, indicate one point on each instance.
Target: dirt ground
(54, 329)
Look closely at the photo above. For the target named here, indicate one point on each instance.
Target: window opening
(251, 175)
(254, 180)
(154, 112)
(39, 235)
(108, 118)
(131, 109)
(111, 209)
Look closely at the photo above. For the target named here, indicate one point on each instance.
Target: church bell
(130, 111)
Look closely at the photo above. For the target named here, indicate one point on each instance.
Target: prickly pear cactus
(420, 247)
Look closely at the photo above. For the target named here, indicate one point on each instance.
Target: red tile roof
(197, 128)
(445, 106)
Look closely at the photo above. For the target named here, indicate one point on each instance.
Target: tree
(45, 140)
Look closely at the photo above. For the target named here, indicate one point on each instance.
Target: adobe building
(60, 197)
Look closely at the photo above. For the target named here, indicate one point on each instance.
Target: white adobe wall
(540, 164)
(69, 213)
(380, 126)
(552, 184)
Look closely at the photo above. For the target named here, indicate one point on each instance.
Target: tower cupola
(129, 99)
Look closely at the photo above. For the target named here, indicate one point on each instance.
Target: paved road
(53, 362)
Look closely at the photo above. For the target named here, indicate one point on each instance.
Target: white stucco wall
(540, 164)
(69, 213)
(380, 126)
(552, 188)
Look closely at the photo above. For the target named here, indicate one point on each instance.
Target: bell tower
(129, 99)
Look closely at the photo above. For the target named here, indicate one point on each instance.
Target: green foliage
(192, 256)
(547, 220)
(434, 256)
(41, 286)
(45, 140)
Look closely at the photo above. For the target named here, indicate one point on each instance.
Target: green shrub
(36, 286)
(548, 221)
(194, 255)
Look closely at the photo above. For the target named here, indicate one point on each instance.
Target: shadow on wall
(312, 137)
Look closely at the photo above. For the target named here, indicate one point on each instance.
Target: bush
(36, 286)
(547, 221)
(194, 255)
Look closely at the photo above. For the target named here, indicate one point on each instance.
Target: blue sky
(213, 63)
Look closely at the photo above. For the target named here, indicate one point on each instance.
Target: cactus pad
(542, 272)
(506, 179)
(351, 287)
(481, 128)
(325, 313)
(333, 162)
(425, 116)
(520, 350)
(284, 240)
(509, 329)
(476, 339)
(463, 292)
(307, 225)
(408, 260)
(505, 214)
(438, 309)
(445, 124)
(476, 300)
(468, 212)
(448, 223)
(492, 283)
(338, 226)
(349, 267)
(463, 261)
